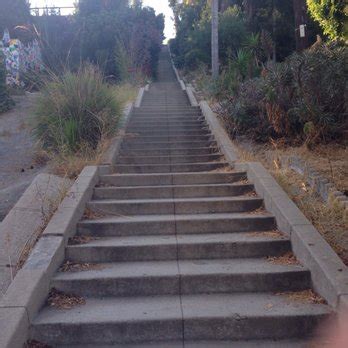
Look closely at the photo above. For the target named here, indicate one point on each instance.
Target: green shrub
(320, 78)
(76, 110)
(304, 98)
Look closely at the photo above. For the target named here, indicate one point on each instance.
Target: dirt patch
(61, 300)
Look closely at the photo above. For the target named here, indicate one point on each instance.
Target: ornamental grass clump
(76, 111)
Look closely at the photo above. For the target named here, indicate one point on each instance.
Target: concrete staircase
(179, 246)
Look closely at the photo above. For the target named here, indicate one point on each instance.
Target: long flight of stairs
(177, 249)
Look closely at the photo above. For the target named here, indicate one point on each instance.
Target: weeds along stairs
(178, 250)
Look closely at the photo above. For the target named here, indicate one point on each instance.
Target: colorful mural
(19, 58)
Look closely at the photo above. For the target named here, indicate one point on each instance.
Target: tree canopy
(332, 16)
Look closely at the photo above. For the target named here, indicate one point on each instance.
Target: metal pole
(215, 38)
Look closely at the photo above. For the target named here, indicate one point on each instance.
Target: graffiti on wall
(19, 58)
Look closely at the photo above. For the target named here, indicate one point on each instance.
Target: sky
(160, 6)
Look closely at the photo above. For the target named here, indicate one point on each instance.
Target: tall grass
(76, 111)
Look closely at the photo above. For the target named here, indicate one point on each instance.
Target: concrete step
(209, 205)
(172, 191)
(172, 179)
(168, 138)
(168, 168)
(180, 224)
(157, 132)
(206, 317)
(167, 128)
(168, 108)
(168, 144)
(167, 113)
(148, 125)
(172, 152)
(169, 159)
(185, 276)
(207, 344)
(183, 247)
(176, 119)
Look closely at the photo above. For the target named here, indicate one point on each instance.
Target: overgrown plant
(75, 111)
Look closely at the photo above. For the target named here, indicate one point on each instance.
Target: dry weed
(92, 215)
(286, 259)
(5, 134)
(78, 240)
(61, 300)
(36, 344)
(304, 296)
(69, 266)
(270, 234)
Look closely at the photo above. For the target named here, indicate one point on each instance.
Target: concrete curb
(139, 98)
(112, 152)
(181, 82)
(26, 220)
(191, 96)
(329, 274)
(30, 287)
(223, 140)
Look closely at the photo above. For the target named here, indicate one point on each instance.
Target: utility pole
(215, 38)
(301, 19)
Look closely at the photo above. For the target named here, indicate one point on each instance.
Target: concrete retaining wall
(24, 223)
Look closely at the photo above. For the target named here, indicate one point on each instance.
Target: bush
(76, 111)
(304, 98)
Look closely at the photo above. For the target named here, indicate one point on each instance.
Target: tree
(332, 16)
(14, 13)
(215, 38)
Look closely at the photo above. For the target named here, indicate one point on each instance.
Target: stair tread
(177, 200)
(175, 307)
(187, 267)
(172, 239)
(177, 217)
(173, 174)
(236, 184)
(206, 344)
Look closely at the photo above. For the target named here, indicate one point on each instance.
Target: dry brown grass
(70, 165)
(69, 266)
(35, 344)
(92, 215)
(287, 259)
(78, 240)
(305, 296)
(331, 161)
(61, 300)
(45, 218)
(5, 133)
(270, 234)
(326, 218)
